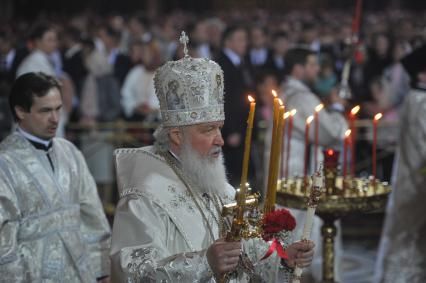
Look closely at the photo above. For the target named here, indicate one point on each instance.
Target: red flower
(277, 221)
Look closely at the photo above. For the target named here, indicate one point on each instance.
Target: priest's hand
(223, 256)
(300, 253)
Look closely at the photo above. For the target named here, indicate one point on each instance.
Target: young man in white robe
(52, 224)
(168, 225)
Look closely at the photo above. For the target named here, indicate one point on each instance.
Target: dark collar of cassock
(38, 143)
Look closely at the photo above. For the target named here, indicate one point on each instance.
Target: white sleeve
(144, 238)
(129, 92)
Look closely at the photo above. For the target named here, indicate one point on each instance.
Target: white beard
(208, 173)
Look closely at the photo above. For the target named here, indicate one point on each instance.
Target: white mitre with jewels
(190, 90)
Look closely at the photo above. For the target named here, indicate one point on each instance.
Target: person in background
(7, 76)
(238, 81)
(259, 56)
(119, 61)
(73, 65)
(200, 38)
(100, 103)
(137, 94)
(280, 45)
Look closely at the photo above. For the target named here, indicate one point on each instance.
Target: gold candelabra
(245, 225)
(248, 225)
(342, 196)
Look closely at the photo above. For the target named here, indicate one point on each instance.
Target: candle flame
(286, 114)
(355, 110)
(378, 116)
(348, 133)
(319, 107)
(293, 112)
(274, 93)
(280, 101)
(250, 98)
(330, 152)
(309, 119)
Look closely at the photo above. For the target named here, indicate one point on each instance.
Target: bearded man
(168, 225)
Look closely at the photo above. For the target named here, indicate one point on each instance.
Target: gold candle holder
(343, 196)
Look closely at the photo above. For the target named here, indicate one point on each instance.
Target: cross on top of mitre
(184, 39)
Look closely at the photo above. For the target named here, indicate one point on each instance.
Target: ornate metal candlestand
(343, 196)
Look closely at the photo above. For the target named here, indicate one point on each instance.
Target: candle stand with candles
(341, 197)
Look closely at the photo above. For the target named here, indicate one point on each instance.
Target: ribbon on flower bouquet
(275, 246)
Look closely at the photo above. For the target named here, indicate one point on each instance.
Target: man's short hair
(38, 30)
(26, 87)
(73, 33)
(296, 56)
(264, 74)
(229, 32)
(142, 20)
(263, 28)
(279, 34)
(111, 32)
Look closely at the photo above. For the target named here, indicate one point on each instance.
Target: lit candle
(331, 161)
(331, 157)
(318, 108)
(247, 144)
(345, 152)
(352, 118)
(290, 130)
(305, 171)
(375, 121)
(283, 152)
(268, 205)
(279, 137)
(274, 157)
(274, 125)
(275, 112)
